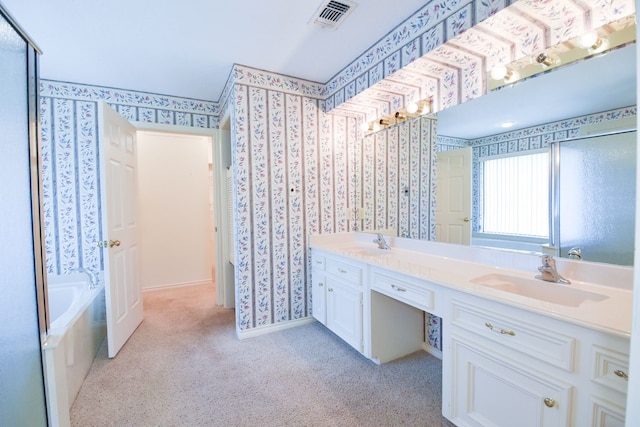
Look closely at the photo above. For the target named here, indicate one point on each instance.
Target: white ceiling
(187, 48)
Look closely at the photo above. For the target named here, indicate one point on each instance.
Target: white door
(120, 227)
(453, 200)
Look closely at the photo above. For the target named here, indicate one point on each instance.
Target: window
(516, 195)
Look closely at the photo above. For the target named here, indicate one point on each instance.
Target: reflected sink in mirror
(538, 289)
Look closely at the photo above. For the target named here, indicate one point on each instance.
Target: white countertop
(455, 267)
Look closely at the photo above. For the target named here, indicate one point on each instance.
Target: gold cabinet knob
(466, 219)
(320, 284)
(113, 243)
(549, 402)
(330, 289)
(621, 374)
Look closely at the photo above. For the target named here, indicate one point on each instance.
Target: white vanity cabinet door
(344, 311)
(490, 391)
(318, 296)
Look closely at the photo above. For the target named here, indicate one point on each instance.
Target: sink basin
(366, 251)
(538, 289)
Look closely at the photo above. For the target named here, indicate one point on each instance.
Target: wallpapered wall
(292, 164)
(396, 177)
(70, 163)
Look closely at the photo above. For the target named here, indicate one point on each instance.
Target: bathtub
(77, 329)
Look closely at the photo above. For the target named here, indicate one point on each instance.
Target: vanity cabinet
(505, 362)
(508, 367)
(318, 288)
(609, 368)
(337, 286)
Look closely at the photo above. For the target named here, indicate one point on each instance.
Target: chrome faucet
(381, 242)
(548, 271)
(93, 279)
(575, 253)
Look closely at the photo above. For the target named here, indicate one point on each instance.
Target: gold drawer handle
(330, 289)
(549, 402)
(621, 374)
(113, 243)
(343, 271)
(399, 289)
(502, 331)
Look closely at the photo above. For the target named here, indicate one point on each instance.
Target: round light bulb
(412, 108)
(588, 40)
(499, 72)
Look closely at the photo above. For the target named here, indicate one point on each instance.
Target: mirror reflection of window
(515, 193)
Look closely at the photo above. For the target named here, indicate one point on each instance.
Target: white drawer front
(344, 271)
(531, 339)
(610, 368)
(317, 262)
(420, 297)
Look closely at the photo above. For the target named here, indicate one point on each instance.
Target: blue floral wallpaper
(291, 180)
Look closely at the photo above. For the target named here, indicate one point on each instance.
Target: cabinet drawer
(610, 368)
(528, 338)
(423, 298)
(344, 271)
(317, 262)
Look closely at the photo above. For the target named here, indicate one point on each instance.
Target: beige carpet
(184, 367)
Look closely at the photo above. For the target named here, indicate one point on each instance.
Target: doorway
(175, 212)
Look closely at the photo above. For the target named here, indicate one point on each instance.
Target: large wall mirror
(573, 136)
(561, 180)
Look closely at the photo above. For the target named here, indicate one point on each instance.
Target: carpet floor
(184, 366)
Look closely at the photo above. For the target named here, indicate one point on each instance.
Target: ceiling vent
(331, 14)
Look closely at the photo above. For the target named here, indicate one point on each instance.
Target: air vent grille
(332, 13)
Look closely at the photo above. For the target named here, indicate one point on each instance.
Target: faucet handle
(547, 261)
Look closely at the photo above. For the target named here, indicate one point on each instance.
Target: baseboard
(177, 285)
(262, 330)
(432, 350)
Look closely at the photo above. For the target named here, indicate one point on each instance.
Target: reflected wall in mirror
(569, 103)
(395, 176)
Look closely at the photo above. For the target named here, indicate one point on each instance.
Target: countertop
(459, 268)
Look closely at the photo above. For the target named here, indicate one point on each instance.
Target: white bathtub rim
(58, 328)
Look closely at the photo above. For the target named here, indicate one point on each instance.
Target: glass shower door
(597, 198)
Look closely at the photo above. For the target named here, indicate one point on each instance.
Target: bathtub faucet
(93, 279)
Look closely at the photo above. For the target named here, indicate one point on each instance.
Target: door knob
(466, 219)
(549, 402)
(113, 243)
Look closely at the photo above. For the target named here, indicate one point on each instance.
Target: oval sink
(538, 289)
(365, 251)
